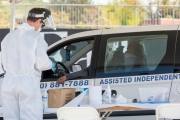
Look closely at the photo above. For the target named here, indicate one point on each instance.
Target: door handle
(144, 74)
(176, 70)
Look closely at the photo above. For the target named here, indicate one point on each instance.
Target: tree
(62, 21)
(118, 14)
(31, 1)
(164, 12)
(71, 1)
(88, 19)
(160, 2)
(4, 16)
(156, 10)
(131, 2)
(75, 12)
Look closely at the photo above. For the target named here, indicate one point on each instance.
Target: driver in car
(81, 73)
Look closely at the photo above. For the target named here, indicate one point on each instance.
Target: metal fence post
(61, 15)
(26, 12)
(135, 16)
(173, 15)
(98, 25)
(12, 19)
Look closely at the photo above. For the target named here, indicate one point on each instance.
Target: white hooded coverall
(23, 57)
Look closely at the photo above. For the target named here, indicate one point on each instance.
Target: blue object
(150, 98)
(153, 102)
(68, 55)
(53, 65)
(83, 89)
(78, 105)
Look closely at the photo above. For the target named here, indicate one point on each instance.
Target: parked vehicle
(156, 61)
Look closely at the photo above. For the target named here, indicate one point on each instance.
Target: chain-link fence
(97, 16)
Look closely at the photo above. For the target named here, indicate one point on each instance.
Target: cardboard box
(59, 97)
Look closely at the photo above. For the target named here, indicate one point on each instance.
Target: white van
(125, 58)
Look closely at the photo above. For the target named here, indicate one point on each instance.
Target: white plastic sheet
(154, 94)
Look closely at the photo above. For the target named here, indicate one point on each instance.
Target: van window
(60, 55)
(134, 53)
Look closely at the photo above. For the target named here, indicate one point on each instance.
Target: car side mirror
(75, 68)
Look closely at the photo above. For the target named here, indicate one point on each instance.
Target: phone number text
(75, 83)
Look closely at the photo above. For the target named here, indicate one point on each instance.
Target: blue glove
(53, 65)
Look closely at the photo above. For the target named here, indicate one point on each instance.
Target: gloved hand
(53, 65)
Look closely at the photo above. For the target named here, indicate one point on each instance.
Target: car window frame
(94, 55)
(167, 60)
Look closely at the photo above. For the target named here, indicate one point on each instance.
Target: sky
(103, 2)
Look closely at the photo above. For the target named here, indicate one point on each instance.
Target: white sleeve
(1, 67)
(42, 60)
(2, 61)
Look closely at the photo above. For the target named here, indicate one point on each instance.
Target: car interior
(66, 57)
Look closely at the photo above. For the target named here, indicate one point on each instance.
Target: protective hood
(26, 26)
(45, 16)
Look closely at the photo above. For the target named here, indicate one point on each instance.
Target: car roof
(118, 30)
(140, 29)
(78, 35)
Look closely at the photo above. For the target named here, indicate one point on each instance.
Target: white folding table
(109, 108)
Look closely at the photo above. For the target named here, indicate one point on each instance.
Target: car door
(158, 50)
(175, 89)
(84, 49)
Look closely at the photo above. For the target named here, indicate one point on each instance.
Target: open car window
(60, 55)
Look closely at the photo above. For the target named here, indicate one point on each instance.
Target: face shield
(49, 18)
(46, 16)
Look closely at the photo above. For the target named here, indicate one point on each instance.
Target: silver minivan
(124, 58)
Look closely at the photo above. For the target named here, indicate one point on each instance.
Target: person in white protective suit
(23, 58)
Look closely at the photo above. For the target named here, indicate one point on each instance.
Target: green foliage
(169, 16)
(165, 12)
(71, 1)
(4, 17)
(60, 21)
(32, 2)
(116, 16)
(88, 17)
